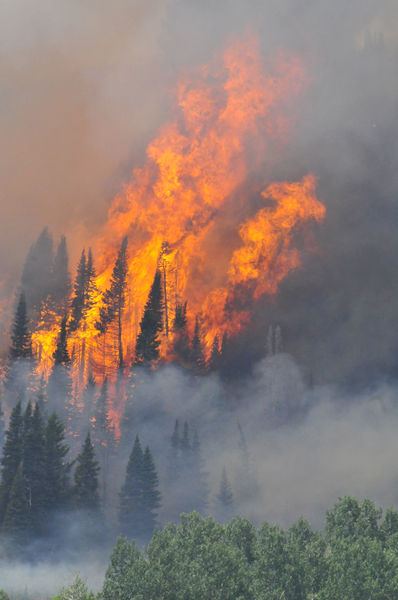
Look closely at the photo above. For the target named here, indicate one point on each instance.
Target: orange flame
(196, 208)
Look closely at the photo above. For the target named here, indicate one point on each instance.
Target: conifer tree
(37, 272)
(174, 453)
(181, 337)
(215, 356)
(21, 344)
(59, 387)
(114, 298)
(198, 359)
(104, 435)
(56, 469)
(79, 294)
(148, 340)
(90, 286)
(150, 492)
(131, 495)
(225, 499)
(61, 277)
(185, 444)
(11, 457)
(16, 521)
(225, 496)
(33, 467)
(85, 490)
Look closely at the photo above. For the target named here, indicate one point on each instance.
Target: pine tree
(33, 467)
(90, 286)
(37, 273)
(61, 277)
(185, 444)
(225, 496)
(151, 495)
(79, 294)
(181, 337)
(114, 298)
(16, 521)
(11, 457)
(225, 499)
(215, 356)
(198, 359)
(199, 487)
(56, 469)
(104, 435)
(59, 386)
(131, 495)
(148, 340)
(174, 452)
(21, 343)
(85, 490)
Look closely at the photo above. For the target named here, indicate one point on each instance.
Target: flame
(198, 210)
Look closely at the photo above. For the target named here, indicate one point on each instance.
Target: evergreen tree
(61, 278)
(150, 492)
(174, 453)
(56, 469)
(37, 273)
(90, 285)
(225, 496)
(215, 356)
(198, 359)
(85, 490)
(33, 467)
(148, 340)
(79, 294)
(21, 343)
(114, 298)
(181, 337)
(59, 387)
(104, 435)
(199, 487)
(131, 508)
(185, 444)
(11, 457)
(16, 521)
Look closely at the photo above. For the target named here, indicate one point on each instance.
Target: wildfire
(197, 211)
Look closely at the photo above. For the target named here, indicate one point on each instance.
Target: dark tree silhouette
(37, 272)
(79, 294)
(85, 490)
(148, 340)
(21, 343)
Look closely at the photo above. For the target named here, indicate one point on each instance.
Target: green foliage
(85, 491)
(356, 559)
(4, 596)
(11, 457)
(76, 591)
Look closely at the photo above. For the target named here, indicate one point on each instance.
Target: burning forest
(202, 315)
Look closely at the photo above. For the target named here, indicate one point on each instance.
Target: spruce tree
(61, 277)
(225, 496)
(85, 490)
(79, 294)
(114, 298)
(150, 493)
(215, 356)
(104, 435)
(16, 523)
(59, 387)
(37, 272)
(225, 499)
(131, 508)
(11, 457)
(33, 467)
(90, 286)
(21, 343)
(56, 469)
(148, 340)
(197, 356)
(181, 337)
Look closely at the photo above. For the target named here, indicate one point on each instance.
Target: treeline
(354, 558)
(45, 493)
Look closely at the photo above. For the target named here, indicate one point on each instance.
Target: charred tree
(37, 272)
(79, 294)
